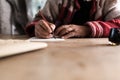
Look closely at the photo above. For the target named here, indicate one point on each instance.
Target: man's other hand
(68, 31)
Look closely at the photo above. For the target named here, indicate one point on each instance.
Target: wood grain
(73, 59)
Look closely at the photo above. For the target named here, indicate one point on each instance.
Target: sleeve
(101, 29)
(111, 19)
(29, 29)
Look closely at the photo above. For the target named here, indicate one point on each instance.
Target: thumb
(52, 26)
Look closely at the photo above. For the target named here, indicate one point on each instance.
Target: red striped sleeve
(101, 29)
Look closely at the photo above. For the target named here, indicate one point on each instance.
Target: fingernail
(63, 37)
(50, 35)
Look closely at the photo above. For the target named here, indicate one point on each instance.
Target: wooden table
(73, 59)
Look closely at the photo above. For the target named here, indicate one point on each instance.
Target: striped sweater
(102, 15)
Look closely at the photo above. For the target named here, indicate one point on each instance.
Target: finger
(69, 35)
(65, 31)
(45, 25)
(39, 35)
(58, 31)
(41, 30)
(40, 24)
(52, 26)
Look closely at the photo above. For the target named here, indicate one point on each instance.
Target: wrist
(88, 31)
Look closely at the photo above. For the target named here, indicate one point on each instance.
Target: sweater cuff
(96, 29)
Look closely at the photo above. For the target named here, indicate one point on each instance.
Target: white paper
(35, 39)
(14, 47)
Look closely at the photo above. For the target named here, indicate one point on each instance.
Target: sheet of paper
(46, 40)
(14, 47)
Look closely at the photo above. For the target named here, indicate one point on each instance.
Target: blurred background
(15, 14)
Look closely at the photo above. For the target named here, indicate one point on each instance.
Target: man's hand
(44, 29)
(68, 31)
